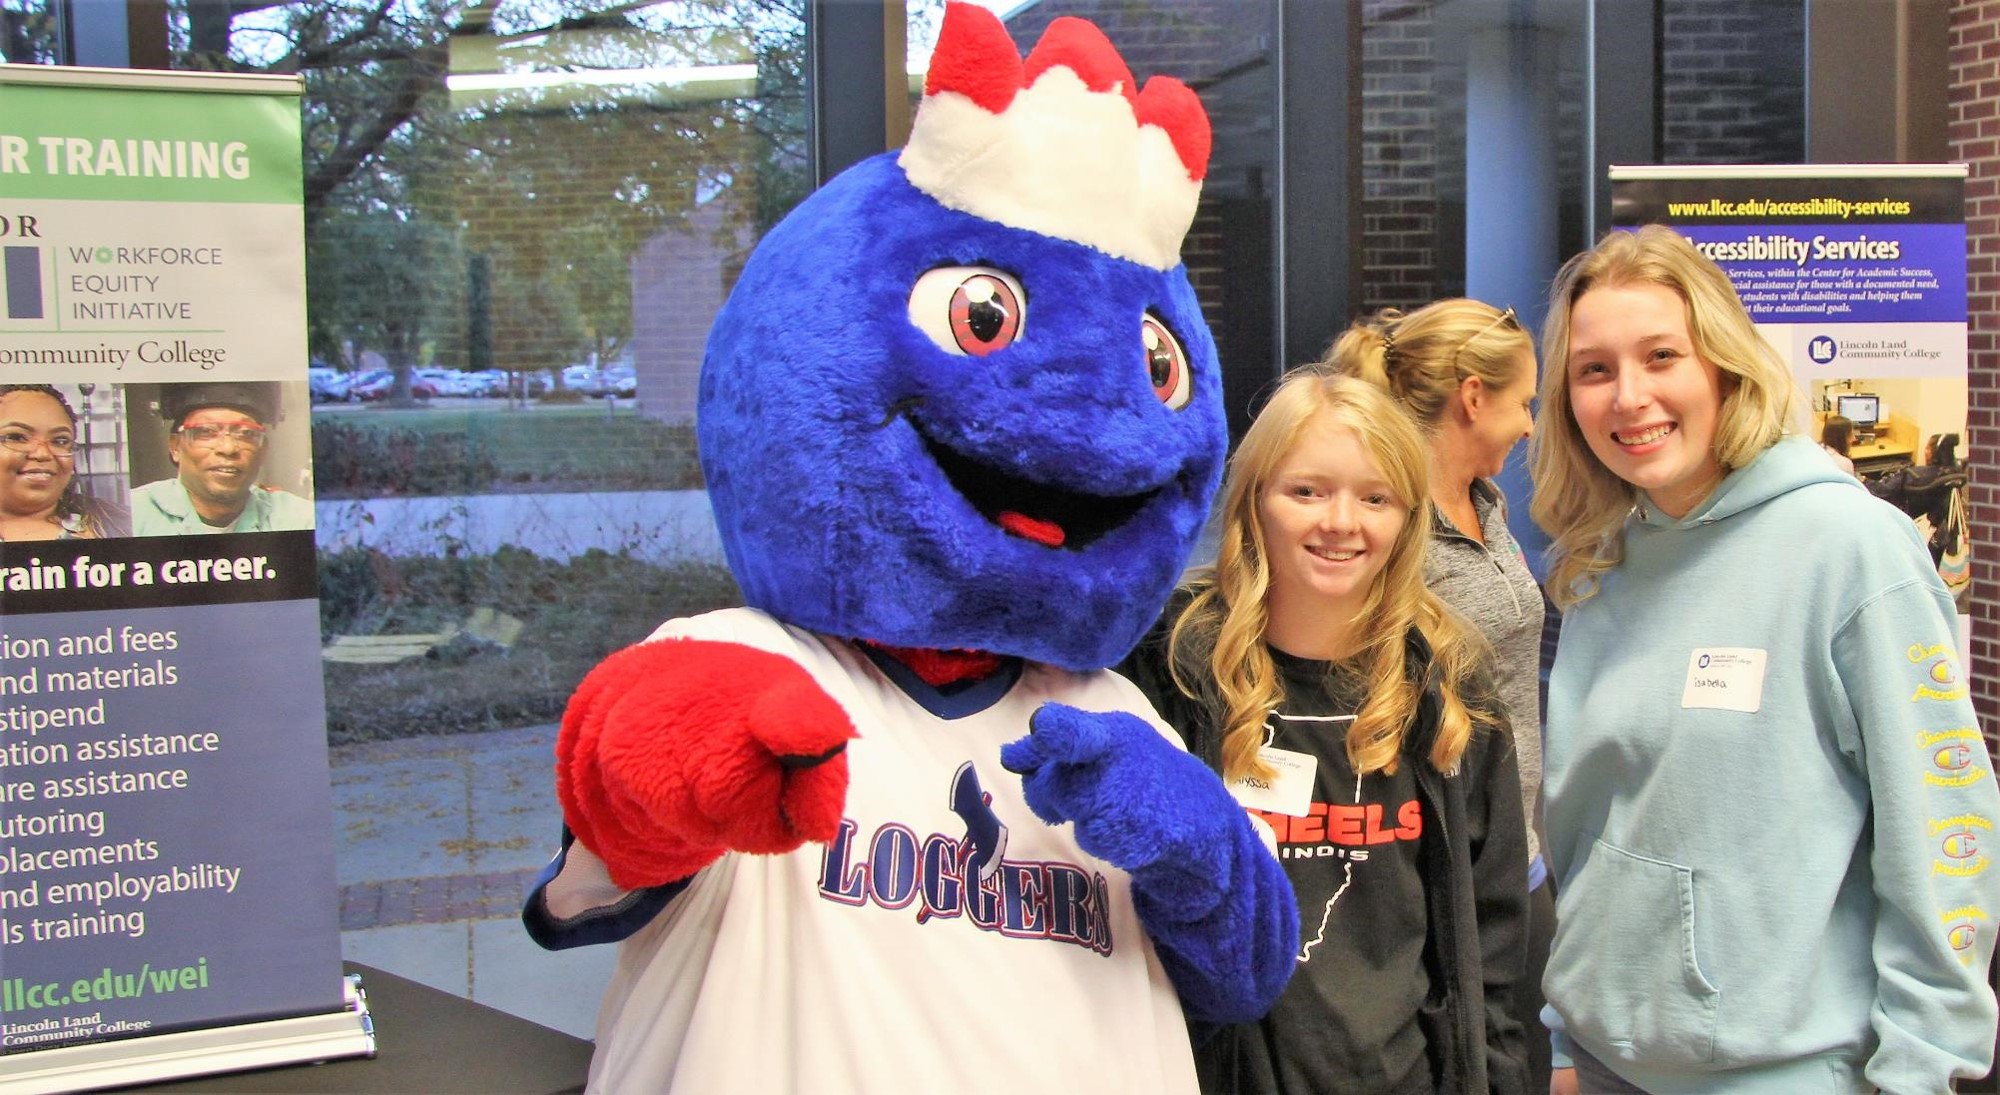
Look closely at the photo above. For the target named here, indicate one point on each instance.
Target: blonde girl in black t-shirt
(1351, 711)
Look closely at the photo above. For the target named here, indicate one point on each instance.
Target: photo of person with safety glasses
(41, 495)
(219, 437)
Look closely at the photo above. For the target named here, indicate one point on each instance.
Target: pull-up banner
(166, 845)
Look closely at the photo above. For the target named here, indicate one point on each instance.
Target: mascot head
(963, 397)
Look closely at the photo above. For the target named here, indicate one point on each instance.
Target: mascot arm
(675, 751)
(574, 903)
(1212, 897)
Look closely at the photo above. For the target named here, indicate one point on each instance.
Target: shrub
(353, 461)
(574, 614)
(561, 449)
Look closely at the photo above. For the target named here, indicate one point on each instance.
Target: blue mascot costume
(893, 826)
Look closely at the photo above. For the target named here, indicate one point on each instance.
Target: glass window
(519, 226)
(1471, 144)
(1473, 170)
(1472, 136)
(28, 34)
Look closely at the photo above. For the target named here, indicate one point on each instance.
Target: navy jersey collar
(955, 700)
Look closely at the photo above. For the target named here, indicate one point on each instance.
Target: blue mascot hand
(1138, 802)
(1213, 898)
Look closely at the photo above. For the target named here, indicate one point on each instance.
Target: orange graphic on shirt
(1942, 671)
(1354, 825)
(1958, 845)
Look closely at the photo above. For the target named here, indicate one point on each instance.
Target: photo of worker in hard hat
(229, 458)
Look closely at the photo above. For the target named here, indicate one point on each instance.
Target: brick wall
(1975, 140)
(1190, 40)
(1399, 155)
(1732, 82)
(1221, 48)
(1203, 41)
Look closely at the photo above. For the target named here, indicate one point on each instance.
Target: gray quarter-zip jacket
(1490, 585)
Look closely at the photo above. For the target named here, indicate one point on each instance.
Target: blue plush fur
(1218, 906)
(835, 437)
(818, 394)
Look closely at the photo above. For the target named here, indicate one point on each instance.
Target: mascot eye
(968, 309)
(1166, 365)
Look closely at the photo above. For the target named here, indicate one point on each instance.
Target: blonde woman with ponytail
(1465, 371)
(1352, 712)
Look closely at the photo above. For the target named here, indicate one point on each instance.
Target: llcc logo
(1822, 349)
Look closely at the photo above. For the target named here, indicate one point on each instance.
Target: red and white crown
(1060, 144)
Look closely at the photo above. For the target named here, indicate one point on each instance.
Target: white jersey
(945, 940)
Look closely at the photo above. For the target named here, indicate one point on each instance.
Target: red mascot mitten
(676, 751)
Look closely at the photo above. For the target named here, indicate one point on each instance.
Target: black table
(429, 1041)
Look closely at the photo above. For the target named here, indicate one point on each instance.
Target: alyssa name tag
(1288, 791)
(1725, 678)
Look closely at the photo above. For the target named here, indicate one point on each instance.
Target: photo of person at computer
(1902, 437)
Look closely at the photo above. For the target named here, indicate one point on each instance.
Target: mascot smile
(892, 826)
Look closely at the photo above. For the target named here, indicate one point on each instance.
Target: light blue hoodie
(1730, 919)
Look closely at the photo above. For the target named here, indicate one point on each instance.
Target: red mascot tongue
(1029, 528)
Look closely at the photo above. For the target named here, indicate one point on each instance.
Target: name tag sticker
(1725, 678)
(1288, 791)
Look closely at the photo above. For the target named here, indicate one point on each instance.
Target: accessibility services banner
(166, 848)
(1856, 272)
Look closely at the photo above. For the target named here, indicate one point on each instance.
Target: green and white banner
(154, 244)
(168, 901)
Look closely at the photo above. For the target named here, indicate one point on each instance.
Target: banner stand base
(301, 1040)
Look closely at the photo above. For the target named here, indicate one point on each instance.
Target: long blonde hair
(1581, 503)
(1217, 651)
(1421, 358)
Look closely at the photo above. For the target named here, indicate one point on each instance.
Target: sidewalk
(436, 840)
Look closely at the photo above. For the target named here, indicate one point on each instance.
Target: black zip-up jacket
(1475, 874)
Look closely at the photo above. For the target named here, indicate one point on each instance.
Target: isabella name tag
(1288, 791)
(1725, 678)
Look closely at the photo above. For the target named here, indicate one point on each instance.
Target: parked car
(371, 385)
(447, 381)
(583, 378)
(621, 382)
(487, 382)
(380, 383)
(328, 384)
